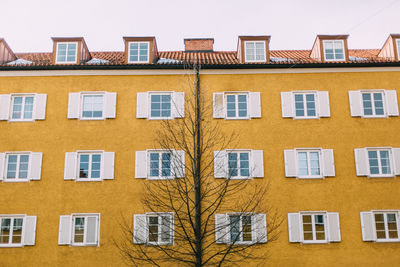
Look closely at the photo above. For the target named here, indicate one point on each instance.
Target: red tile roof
(211, 58)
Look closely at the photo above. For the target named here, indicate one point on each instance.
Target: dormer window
(67, 52)
(334, 50)
(138, 52)
(398, 48)
(255, 51)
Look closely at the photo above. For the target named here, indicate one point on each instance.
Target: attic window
(334, 50)
(138, 52)
(254, 51)
(67, 52)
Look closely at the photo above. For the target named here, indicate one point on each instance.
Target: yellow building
(320, 126)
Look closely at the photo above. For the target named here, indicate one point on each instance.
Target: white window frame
(385, 212)
(16, 180)
(23, 107)
(398, 48)
(238, 151)
(85, 215)
(312, 213)
(308, 150)
(316, 103)
(12, 217)
(82, 96)
(170, 117)
(66, 61)
(371, 92)
(378, 149)
(236, 94)
(159, 215)
(90, 153)
(255, 50)
(160, 152)
(334, 53)
(253, 233)
(138, 61)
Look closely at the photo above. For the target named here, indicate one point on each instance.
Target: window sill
(310, 177)
(84, 245)
(381, 176)
(161, 178)
(92, 119)
(11, 245)
(237, 118)
(387, 240)
(306, 118)
(375, 116)
(160, 118)
(15, 180)
(315, 242)
(13, 120)
(89, 180)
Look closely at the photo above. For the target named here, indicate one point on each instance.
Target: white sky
(27, 25)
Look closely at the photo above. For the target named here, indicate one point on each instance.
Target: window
(238, 164)
(154, 228)
(138, 52)
(309, 163)
(21, 166)
(160, 105)
(237, 105)
(79, 229)
(305, 104)
(89, 165)
(334, 50)
(23, 107)
(92, 105)
(240, 228)
(398, 49)
(17, 230)
(66, 52)
(255, 51)
(160, 164)
(373, 103)
(380, 225)
(377, 162)
(314, 227)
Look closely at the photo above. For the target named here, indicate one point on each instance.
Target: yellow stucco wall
(345, 193)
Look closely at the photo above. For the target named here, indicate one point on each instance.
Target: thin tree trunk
(199, 242)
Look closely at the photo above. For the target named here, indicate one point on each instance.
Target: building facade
(320, 126)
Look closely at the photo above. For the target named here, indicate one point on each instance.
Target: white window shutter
(261, 227)
(295, 231)
(70, 168)
(110, 105)
(396, 161)
(391, 103)
(29, 230)
(355, 104)
(290, 163)
(141, 164)
(35, 165)
(40, 106)
(257, 163)
(219, 164)
(179, 163)
(64, 232)
(74, 105)
(142, 105)
(108, 165)
(367, 226)
(178, 105)
(255, 104)
(139, 228)
(334, 227)
(218, 103)
(92, 230)
(323, 104)
(221, 228)
(2, 165)
(5, 106)
(287, 104)
(361, 159)
(328, 162)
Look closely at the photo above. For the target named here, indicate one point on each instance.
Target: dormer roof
(391, 49)
(6, 54)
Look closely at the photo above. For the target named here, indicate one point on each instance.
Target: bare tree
(192, 217)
